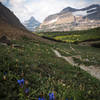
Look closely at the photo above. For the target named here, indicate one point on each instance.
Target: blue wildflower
(41, 99)
(5, 73)
(51, 96)
(20, 82)
(27, 90)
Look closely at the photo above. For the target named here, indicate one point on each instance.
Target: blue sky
(40, 9)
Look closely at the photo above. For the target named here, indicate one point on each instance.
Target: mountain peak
(70, 19)
(94, 5)
(31, 18)
(68, 9)
(31, 24)
(91, 7)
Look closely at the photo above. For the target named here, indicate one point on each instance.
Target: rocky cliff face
(31, 24)
(70, 19)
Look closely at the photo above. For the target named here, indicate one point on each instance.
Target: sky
(40, 9)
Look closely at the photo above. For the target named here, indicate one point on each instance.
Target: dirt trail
(92, 70)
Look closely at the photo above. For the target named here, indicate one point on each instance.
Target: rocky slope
(31, 24)
(8, 17)
(72, 19)
(12, 29)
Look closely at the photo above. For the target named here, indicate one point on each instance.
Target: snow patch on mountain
(92, 12)
(84, 12)
(80, 13)
(93, 8)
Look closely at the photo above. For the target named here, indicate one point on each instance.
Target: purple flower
(20, 82)
(27, 90)
(5, 73)
(51, 96)
(41, 99)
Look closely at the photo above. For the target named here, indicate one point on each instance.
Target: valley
(45, 72)
(56, 63)
(86, 37)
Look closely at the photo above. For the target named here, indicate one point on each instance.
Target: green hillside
(44, 72)
(74, 36)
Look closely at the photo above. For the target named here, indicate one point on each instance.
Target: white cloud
(40, 9)
(2, 0)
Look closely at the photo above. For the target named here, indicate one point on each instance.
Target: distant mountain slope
(7, 16)
(70, 19)
(31, 24)
(12, 29)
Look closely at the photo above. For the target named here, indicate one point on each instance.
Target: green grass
(36, 63)
(89, 55)
(73, 36)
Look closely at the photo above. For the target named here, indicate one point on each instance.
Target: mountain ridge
(70, 19)
(7, 16)
(12, 29)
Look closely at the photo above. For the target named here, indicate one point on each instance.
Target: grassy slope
(45, 73)
(89, 55)
(74, 35)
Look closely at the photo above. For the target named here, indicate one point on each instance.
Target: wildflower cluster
(51, 97)
(21, 83)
